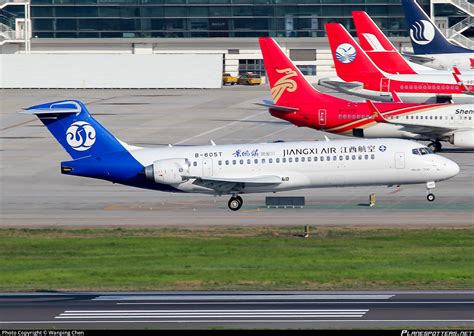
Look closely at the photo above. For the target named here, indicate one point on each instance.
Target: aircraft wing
(271, 105)
(419, 129)
(418, 58)
(340, 84)
(226, 184)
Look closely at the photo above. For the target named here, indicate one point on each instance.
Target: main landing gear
(430, 196)
(235, 202)
(435, 146)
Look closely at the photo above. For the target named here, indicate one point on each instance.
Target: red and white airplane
(361, 76)
(381, 51)
(297, 101)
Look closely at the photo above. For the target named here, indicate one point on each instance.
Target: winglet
(376, 113)
(396, 97)
(464, 88)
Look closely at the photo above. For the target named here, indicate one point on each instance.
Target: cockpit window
(422, 151)
(425, 151)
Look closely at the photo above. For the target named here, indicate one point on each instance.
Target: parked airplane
(297, 101)
(381, 51)
(430, 46)
(240, 168)
(354, 66)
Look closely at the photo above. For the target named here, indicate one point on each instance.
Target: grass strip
(235, 259)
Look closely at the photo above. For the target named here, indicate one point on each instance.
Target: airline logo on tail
(345, 53)
(80, 136)
(284, 83)
(422, 32)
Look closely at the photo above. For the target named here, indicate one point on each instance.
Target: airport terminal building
(227, 28)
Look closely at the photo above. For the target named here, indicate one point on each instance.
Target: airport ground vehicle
(297, 101)
(237, 168)
(250, 79)
(228, 79)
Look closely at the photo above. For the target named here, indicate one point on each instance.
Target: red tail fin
(377, 46)
(288, 84)
(352, 63)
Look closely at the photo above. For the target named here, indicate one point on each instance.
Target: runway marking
(242, 297)
(211, 311)
(219, 128)
(294, 302)
(199, 314)
(221, 321)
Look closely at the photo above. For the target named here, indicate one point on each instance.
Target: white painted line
(239, 297)
(221, 321)
(215, 311)
(219, 128)
(205, 316)
(291, 302)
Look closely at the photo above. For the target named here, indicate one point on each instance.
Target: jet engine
(167, 171)
(464, 139)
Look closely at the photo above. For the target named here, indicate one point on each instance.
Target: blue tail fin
(425, 36)
(75, 129)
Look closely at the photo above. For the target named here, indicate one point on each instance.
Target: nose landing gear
(235, 203)
(430, 185)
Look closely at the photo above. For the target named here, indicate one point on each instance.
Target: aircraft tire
(235, 203)
(430, 197)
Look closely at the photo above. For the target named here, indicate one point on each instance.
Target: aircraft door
(399, 160)
(385, 86)
(322, 117)
(207, 169)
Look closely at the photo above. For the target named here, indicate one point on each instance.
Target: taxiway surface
(35, 194)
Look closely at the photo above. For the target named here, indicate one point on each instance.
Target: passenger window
(321, 158)
(372, 156)
(226, 162)
(255, 161)
(277, 160)
(263, 160)
(353, 157)
(366, 156)
(249, 161)
(296, 159)
(270, 160)
(309, 159)
(334, 158)
(302, 159)
(234, 162)
(347, 157)
(315, 158)
(341, 157)
(195, 163)
(220, 163)
(283, 160)
(290, 159)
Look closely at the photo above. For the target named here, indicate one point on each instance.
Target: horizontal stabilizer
(270, 104)
(61, 107)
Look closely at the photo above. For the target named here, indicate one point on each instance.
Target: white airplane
(239, 168)
(430, 46)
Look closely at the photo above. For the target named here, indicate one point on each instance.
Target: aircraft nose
(449, 168)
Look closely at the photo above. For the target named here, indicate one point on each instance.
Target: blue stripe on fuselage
(118, 167)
